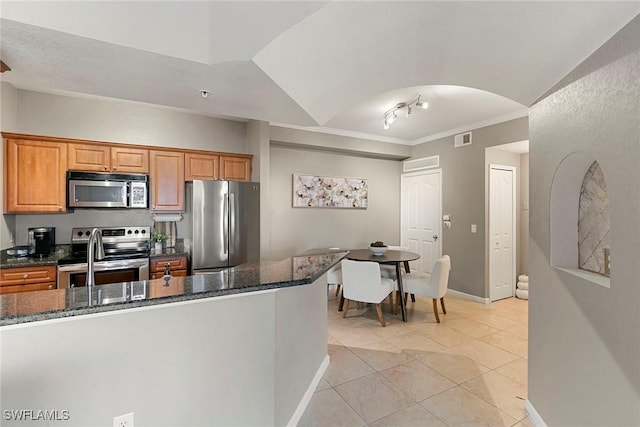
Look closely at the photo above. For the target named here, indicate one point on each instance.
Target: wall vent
(462, 139)
(419, 164)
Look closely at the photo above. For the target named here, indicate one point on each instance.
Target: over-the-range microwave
(107, 190)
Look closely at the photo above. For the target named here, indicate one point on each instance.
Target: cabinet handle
(50, 286)
(114, 168)
(26, 276)
(105, 167)
(59, 208)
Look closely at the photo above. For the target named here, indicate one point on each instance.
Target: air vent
(419, 164)
(462, 139)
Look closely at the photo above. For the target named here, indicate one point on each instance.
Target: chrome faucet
(95, 246)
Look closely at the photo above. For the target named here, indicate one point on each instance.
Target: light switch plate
(474, 228)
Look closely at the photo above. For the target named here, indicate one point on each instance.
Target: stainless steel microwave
(107, 190)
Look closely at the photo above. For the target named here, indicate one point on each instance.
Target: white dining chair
(361, 281)
(388, 271)
(433, 286)
(334, 275)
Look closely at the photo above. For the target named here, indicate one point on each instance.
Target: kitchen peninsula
(245, 346)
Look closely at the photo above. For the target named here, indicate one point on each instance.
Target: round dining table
(389, 257)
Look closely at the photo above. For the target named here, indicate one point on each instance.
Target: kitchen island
(246, 346)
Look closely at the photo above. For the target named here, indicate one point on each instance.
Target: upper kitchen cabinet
(201, 166)
(108, 158)
(166, 180)
(34, 175)
(235, 168)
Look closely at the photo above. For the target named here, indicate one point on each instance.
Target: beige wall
(9, 123)
(295, 230)
(584, 345)
(463, 197)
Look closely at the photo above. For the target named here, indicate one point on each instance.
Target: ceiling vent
(419, 164)
(462, 139)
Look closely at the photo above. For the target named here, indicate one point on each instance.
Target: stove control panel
(112, 234)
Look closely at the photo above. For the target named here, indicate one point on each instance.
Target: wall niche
(593, 222)
(579, 219)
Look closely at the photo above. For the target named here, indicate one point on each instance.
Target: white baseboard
(468, 296)
(306, 398)
(534, 416)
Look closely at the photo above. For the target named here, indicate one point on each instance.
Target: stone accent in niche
(593, 221)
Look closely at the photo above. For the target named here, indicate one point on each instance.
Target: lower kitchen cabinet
(177, 266)
(24, 279)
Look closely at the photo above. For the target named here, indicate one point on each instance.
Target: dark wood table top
(388, 256)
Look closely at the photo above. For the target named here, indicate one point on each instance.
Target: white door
(502, 222)
(421, 210)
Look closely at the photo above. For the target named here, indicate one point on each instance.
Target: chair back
(440, 275)
(361, 280)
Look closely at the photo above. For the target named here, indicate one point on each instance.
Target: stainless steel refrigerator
(225, 229)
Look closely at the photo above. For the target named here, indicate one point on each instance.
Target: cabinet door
(235, 168)
(89, 157)
(166, 180)
(134, 160)
(201, 166)
(35, 176)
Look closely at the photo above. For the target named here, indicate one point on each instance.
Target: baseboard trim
(534, 416)
(468, 296)
(306, 398)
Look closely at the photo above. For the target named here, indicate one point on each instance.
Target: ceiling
(331, 66)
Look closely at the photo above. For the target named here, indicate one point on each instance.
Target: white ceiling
(328, 65)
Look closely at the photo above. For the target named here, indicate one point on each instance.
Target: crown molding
(472, 126)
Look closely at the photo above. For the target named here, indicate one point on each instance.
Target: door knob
(435, 237)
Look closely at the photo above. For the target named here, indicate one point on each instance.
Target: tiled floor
(469, 370)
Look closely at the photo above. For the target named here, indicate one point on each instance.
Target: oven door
(97, 194)
(75, 275)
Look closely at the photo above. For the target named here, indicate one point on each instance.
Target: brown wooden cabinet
(166, 180)
(22, 279)
(177, 266)
(201, 166)
(107, 158)
(34, 176)
(234, 168)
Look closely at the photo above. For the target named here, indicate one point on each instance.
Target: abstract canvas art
(310, 191)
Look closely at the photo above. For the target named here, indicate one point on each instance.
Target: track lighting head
(390, 115)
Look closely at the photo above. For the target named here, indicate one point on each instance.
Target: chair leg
(405, 299)
(435, 309)
(337, 289)
(393, 307)
(413, 297)
(444, 310)
(380, 318)
(346, 307)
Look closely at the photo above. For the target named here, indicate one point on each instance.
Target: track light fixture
(390, 115)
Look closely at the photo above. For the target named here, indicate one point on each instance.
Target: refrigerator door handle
(232, 219)
(225, 232)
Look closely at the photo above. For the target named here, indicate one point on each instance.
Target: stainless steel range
(126, 257)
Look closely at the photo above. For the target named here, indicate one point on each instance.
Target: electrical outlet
(125, 420)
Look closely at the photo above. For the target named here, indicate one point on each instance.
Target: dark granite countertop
(36, 306)
(11, 261)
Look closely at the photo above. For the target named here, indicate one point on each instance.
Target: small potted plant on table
(378, 248)
(158, 240)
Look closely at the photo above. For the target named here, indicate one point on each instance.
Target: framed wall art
(311, 191)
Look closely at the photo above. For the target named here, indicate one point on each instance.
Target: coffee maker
(42, 241)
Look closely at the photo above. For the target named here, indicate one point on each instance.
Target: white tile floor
(469, 370)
